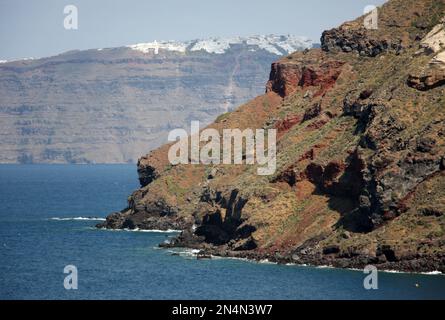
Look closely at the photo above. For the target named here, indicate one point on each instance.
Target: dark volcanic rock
(113, 221)
(331, 249)
(312, 112)
(146, 174)
(358, 40)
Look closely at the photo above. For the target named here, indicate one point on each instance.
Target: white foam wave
(153, 230)
(324, 267)
(142, 230)
(266, 261)
(430, 273)
(186, 253)
(433, 273)
(78, 218)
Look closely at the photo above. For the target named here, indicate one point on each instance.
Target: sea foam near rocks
(78, 218)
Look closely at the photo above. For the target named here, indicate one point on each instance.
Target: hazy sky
(34, 28)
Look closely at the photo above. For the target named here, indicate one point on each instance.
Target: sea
(50, 249)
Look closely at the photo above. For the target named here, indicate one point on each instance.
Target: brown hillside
(361, 156)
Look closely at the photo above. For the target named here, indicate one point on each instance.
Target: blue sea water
(35, 248)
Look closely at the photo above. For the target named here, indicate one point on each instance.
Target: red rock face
(432, 78)
(284, 78)
(324, 76)
(318, 123)
(287, 77)
(285, 125)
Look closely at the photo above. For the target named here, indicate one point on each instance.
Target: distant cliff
(360, 173)
(114, 105)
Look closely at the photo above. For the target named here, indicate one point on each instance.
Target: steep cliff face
(360, 173)
(114, 105)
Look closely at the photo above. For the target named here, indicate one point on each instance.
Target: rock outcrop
(288, 76)
(433, 74)
(348, 38)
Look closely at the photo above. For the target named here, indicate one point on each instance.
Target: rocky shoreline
(385, 259)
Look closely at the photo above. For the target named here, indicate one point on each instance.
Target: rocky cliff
(114, 105)
(360, 173)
